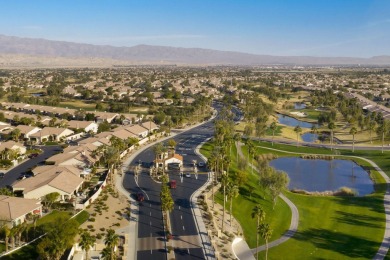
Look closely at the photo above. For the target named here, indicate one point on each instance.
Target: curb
(209, 252)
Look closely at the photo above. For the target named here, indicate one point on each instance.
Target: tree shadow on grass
(373, 203)
(250, 193)
(357, 219)
(348, 245)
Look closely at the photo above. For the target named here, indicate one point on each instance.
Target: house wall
(92, 127)
(43, 191)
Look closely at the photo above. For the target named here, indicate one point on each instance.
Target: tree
(232, 192)
(371, 127)
(86, 242)
(298, 131)
(224, 184)
(60, 236)
(273, 126)
(314, 130)
(277, 181)
(50, 198)
(15, 134)
(111, 240)
(7, 233)
(251, 151)
(383, 129)
(331, 127)
(237, 139)
(265, 232)
(104, 126)
(259, 214)
(172, 144)
(353, 131)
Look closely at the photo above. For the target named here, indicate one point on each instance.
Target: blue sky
(358, 28)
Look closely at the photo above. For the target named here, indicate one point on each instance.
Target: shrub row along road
(186, 240)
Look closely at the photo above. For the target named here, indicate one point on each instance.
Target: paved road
(186, 239)
(12, 175)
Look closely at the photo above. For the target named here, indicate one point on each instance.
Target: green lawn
(334, 228)
(329, 227)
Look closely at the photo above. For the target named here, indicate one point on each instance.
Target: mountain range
(16, 51)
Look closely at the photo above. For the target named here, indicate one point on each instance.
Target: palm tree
(273, 126)
(266, 233)
(86, 242)
(371, 127)
(353, 131)
(298, 130)
(237, 138)
(314, 130)
(250, 151)
(7, 233)
(383, 129)
(331, 127)
(224, 183)
(157, 149)
(232, 193)
(111, 241)
(15, 134)
(259, 214)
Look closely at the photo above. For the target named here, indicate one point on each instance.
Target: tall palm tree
(111, 241)
(251, 151)
(383, 129)
(86, 242)
(237, 138)
(331, 127)
(16, 134)
(353, 131)
(232, 193)
(259, 214)
(273, 126)
(298, 131)
(314, 130)
(266, 233)
(224, 183)
(7, 233)
(371, 127)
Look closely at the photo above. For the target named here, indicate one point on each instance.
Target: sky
(332, 28)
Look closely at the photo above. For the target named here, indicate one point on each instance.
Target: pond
(309, 137)
(290, 121)
(299, 105)
(324, 175)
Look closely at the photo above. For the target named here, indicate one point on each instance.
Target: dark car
(33, 155)
(140, 197)
(2, 174)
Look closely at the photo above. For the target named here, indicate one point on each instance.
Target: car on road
(33, 155)
(188, 175)
(172, 184)
(2, 174)
(140, 197)
(201, 164)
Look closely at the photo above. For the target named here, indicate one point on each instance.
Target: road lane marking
(150, 214)
(150, 222)
(183, 228)
(181, 217)
(188, 250)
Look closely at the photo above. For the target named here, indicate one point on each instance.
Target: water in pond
(309, 137)
(290, 121)
(299, 105)
(324, 175)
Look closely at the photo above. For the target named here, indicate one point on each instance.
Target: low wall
(93, 197)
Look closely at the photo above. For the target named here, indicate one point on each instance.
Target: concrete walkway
(286, 236)
(385, 245)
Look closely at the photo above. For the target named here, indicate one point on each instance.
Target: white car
(201, 164)
(188, 175)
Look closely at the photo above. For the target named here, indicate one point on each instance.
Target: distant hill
(16, 51)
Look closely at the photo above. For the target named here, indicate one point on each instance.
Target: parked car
(140, 197)
(2, 174)
(201, 164)
(188, 175)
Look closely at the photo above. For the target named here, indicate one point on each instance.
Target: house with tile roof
(14, 210)
(56, 179)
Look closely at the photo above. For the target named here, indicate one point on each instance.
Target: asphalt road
(186, 239)
(12, 175)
